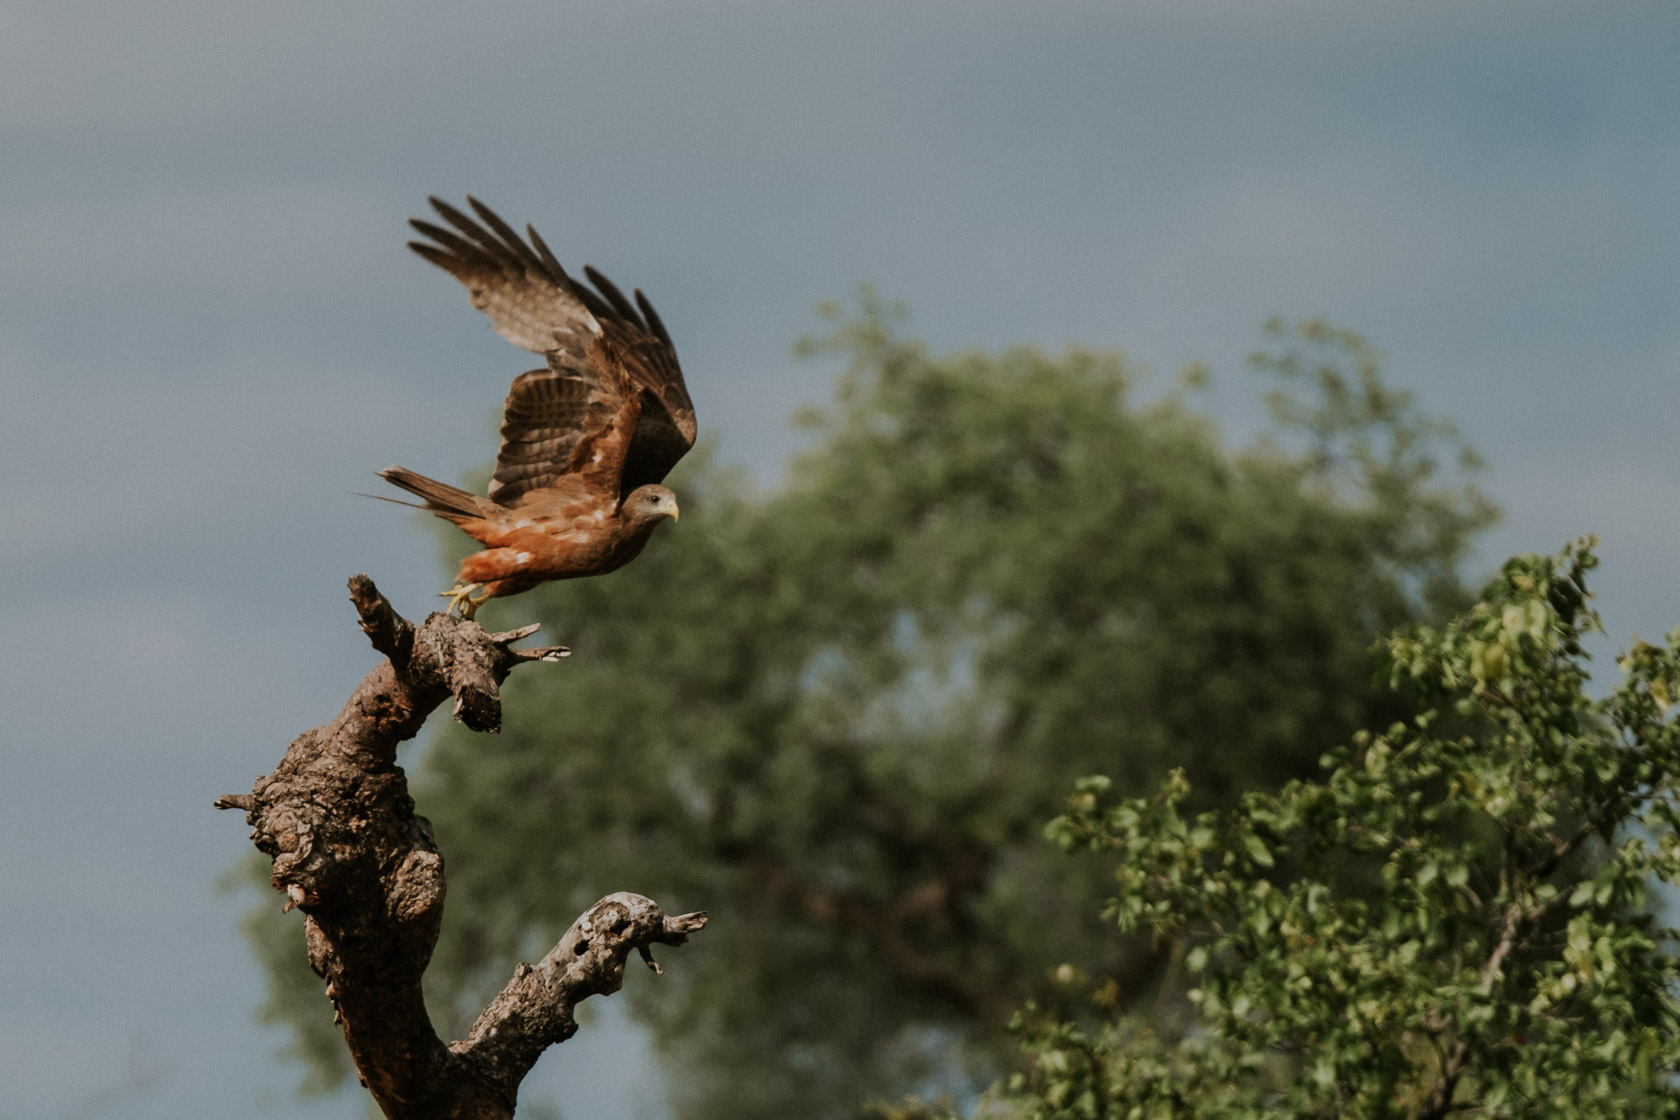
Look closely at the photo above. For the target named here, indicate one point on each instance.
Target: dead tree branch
(349, 850)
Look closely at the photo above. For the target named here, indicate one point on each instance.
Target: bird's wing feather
(546, 414)
(526, 294)
(665, 429)
(568, 426)
(533, 303)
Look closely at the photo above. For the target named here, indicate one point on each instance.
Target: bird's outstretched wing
(568, 425)
(533, 303)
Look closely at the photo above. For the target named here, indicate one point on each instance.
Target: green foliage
(836, 716)
(1503, 960)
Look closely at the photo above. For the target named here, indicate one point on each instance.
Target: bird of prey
(586, 440)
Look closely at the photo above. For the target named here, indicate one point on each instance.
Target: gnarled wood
(349, 850)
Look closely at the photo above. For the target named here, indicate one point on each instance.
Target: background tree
(840, 713)
(1505, 960)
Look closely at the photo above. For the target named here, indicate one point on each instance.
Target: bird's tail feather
(448, 502)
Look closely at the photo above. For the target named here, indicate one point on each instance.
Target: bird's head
(650, 504)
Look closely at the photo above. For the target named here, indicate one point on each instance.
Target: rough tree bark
(350, 852)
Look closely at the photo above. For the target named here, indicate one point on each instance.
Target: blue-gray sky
(210, 334)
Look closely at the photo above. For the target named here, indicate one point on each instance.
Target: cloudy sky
(210, 334)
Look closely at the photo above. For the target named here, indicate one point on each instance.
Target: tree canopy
(1507, 958)
(837, 715)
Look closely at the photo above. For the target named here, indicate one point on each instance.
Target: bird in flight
(586, 440)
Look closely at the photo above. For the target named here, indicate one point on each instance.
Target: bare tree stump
(348, 849)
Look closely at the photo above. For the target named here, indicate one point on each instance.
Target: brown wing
(534, 304)
(567, 426)
(667, 426)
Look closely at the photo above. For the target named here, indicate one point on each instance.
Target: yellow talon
(461, 596)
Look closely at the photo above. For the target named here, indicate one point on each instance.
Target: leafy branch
(1503, 956)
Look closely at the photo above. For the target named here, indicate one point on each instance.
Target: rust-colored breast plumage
(552, 535)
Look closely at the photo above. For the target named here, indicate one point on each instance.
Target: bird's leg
(461, 595)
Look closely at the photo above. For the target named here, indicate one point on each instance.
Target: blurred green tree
(1507, 958)
(837, 716)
